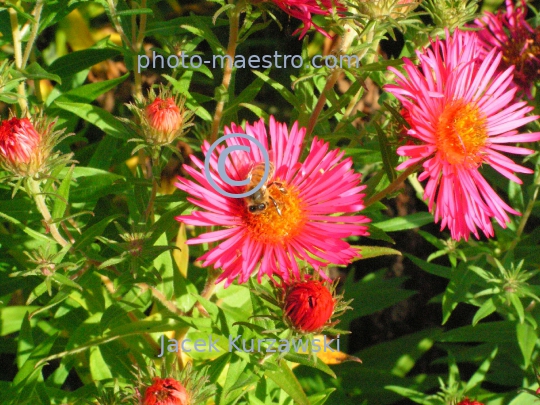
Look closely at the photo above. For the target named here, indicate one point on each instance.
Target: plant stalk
(17, 48)
(234, 19)
(33, 33)
(395, 185)
(42, 207)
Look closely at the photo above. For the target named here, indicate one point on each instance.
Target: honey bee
(260, 200)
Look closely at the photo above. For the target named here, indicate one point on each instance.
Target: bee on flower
(296, 216)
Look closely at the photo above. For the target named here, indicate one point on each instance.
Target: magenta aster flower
(462, 115)
(18, 140)
(303, 10)
(509, 32)
(304, 225)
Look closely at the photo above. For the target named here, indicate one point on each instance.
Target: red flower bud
(164, 115)
(18, 140)
(467, 401)
(165, 391)
(308, 305)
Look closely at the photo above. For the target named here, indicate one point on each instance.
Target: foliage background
(417, 318)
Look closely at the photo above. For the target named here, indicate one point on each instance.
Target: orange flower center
(269, 226)
(461, 133)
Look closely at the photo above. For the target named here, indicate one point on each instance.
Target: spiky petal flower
(309, 195)
(462, 115)
(303, 10)
(509, 32)
(18, 140)
(165, 391)
(26, 147)
(309, 305)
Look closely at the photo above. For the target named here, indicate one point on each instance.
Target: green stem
(33, 33)
(346, 42)
(17, 50)
(333, 78)
(526, 214)
(234, 20)
(395, 185)
(369, 59)
(136, 41)
(154, 174)
(42, 207)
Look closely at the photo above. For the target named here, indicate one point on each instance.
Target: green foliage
(95, 271)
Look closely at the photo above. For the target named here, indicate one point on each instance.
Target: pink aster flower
(509, 32)
(18, 140)
(303, 10)
(299, 223)
(462, 115)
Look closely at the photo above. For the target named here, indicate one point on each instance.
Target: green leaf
(286, 379)
(307, 360)
(236, 368)
(386, 154)
(456, 291)
(135, 11)
(62, 197)
(490, 332)
(487, 308)
(321, 398)
(478, 377)
(415, 396)
(35, 72)
(431, 268)
(89, 92)
(78, 61)
(403, 223)
(97, 116)
(29, 374)
(516, 303)
(66, 281)
(25, 343)
(95, 230)
(246, 96)
(368, 252)
(27, 230)
(527, 340)
(281, 89)
(203, 30)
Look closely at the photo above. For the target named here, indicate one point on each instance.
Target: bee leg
(276, 205)
(279, 186)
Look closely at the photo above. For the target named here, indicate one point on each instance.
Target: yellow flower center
(269, 226)
(461, 133)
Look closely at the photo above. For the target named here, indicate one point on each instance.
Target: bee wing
(251, 166)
